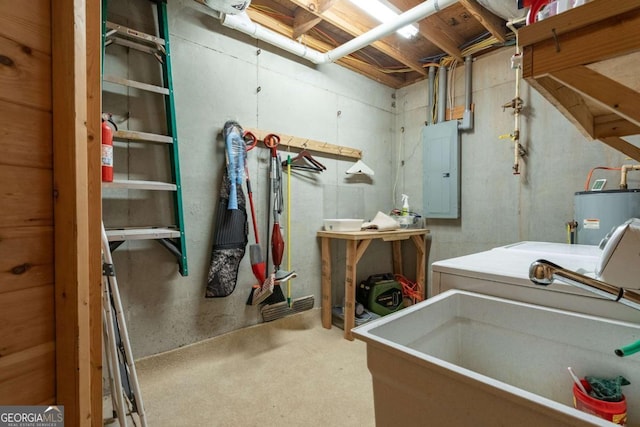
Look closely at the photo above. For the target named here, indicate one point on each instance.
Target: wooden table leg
(350, 288)
(396, 246)
(421, 250)
(326, 283)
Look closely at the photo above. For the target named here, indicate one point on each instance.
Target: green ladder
(172, 237)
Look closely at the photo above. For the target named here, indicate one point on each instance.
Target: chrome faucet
(543, 272)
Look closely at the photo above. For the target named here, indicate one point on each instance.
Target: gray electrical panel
(441, 170)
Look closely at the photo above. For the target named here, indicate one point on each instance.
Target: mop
(284, 308)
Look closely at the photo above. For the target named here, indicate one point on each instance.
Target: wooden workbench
(357, 243)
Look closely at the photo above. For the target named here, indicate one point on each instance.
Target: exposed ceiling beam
(341, 16)
(434, 30)
(324, 5)
(348, 61)
(608, 93)
(494, 24)
(303, 21)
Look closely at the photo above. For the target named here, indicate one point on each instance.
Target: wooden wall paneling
(25, 75)
(26, 136)
(35, 367)
(25, 196)
(26, 319)
(28, 24)
(26, 259)
(73, 360)
(94, 106)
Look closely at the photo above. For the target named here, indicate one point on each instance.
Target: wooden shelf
(562, 58)
(288, 141)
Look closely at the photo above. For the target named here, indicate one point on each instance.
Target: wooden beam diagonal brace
(611, 95)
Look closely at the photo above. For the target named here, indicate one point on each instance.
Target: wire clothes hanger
(305, 161)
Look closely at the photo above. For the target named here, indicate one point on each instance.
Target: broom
(264, 288)
(284, 308)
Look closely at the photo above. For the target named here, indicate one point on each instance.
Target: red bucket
(616, 412)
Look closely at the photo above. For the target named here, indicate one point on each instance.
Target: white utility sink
(461, 359)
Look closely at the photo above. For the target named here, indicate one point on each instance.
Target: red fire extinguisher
(107, 148)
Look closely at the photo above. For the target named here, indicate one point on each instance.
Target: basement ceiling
(462, 28)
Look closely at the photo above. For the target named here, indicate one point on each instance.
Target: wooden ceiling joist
(494, 24)
(339, 16)
(303, 21)
(348, 62)
(433, 29)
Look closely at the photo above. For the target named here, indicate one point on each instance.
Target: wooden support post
(71, 211)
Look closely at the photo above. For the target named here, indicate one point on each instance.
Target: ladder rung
(140, 185)
(121, 30)
(137, 46)
(118, 235)
(142, 136)
(135, 84)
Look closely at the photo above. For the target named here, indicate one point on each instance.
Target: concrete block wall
(497, 207)
(220, 75)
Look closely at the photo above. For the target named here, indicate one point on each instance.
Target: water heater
(599, 212)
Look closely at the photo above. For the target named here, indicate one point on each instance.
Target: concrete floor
(289, 372)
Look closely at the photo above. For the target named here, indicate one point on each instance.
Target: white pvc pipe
(243, 23)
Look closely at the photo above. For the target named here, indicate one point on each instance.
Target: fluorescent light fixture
(383, 12)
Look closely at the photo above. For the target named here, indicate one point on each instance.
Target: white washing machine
(504, 272)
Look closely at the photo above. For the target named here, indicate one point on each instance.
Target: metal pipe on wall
(430, 93)
(442, 94)
(467, 118)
